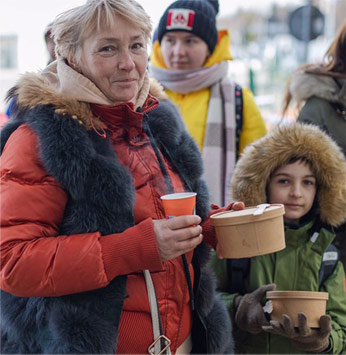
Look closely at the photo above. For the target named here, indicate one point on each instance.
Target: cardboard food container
(312, 304)
(243, 234)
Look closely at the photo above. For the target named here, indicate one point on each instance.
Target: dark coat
(324, 102)
(87, 322)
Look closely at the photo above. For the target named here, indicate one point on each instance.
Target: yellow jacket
(194, 106)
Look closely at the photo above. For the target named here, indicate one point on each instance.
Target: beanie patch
(180, 19)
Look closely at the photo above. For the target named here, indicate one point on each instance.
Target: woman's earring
(74, 66)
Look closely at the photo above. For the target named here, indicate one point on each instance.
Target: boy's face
(293, 185)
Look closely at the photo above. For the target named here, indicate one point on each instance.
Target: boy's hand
(304, 338)
(249, 314)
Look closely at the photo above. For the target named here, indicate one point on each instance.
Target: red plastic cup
(179, 204)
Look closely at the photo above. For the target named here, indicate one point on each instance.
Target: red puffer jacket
(30, 230)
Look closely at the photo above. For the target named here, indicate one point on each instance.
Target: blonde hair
(71, 27)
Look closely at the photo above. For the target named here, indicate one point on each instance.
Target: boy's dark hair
(294, 159)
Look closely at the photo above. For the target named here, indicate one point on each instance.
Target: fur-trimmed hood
(260, 159)
(306, 83)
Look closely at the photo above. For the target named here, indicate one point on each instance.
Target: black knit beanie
(195, 16)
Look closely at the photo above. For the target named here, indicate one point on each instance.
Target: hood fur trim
(260, 159)
(33, 89)
(304, 85)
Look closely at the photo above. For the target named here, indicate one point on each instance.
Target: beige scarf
(68, 81)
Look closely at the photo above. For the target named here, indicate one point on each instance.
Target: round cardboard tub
(241, 234)
(312, 304)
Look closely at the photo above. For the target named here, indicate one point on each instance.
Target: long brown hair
(334, 65)
(336, 53)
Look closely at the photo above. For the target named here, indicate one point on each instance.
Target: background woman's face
(183, 50)
(115, 60)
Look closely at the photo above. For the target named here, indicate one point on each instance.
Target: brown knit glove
(303, 337)
(249, 314)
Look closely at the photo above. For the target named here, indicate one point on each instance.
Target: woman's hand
(178, 235)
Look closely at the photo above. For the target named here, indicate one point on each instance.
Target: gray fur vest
(88, 322)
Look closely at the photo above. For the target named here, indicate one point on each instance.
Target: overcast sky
(28, 19)
(15, 13)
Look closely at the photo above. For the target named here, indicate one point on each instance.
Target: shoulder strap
(238, 116)
(330, 259)
(237, 270)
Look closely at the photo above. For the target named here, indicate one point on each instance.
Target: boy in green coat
(302, 168)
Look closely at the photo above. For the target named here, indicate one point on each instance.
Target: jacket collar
(44, 88)
(123, 118)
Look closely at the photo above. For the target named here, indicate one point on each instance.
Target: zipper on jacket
(164, 172)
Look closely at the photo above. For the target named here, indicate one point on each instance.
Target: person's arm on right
(336, 308)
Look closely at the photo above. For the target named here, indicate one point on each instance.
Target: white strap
(185, 347)
(314, 237)
(156, 345)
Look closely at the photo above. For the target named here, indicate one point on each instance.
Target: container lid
(246, 215)
(297, 295)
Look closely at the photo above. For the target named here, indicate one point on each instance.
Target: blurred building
(265, 52)
(8, 62)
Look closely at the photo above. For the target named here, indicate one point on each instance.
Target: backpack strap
(330, 259)
(237, 270)
(238, 116)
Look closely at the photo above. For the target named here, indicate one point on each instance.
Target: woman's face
(115, 60)
(183, 50)
(293, 185)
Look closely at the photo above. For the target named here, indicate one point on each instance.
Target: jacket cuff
(208, 230)
(134, 250)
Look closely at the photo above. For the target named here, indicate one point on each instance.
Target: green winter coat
(297, 266)
(304, 259)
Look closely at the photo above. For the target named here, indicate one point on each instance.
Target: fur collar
(35, 89)
(261, 158)
(304, 85)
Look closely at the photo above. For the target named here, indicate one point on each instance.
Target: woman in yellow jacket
(190, 59)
